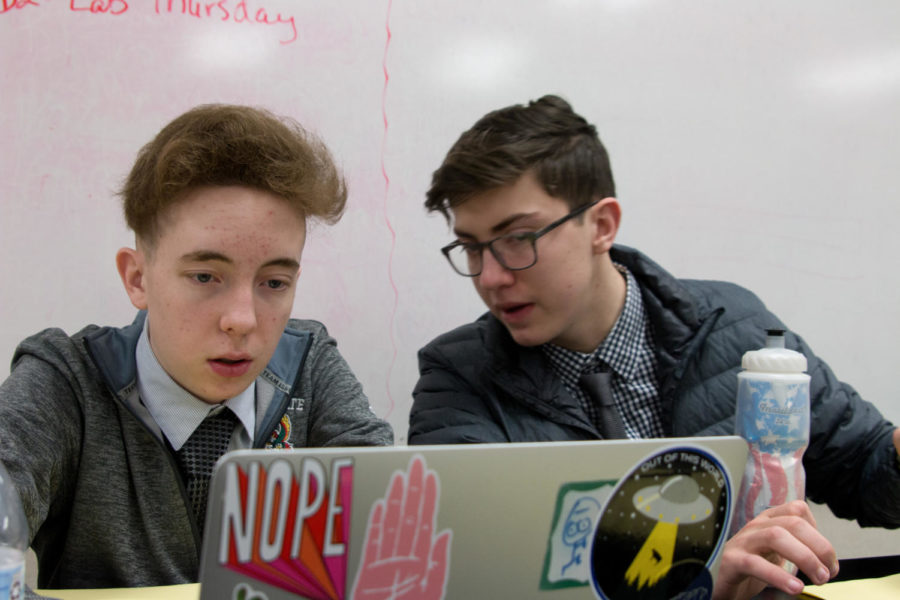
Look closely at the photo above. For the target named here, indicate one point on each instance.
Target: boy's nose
(239, 316)
(493, 274)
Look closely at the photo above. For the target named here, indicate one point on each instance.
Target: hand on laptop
(753, 558)
(402, 557)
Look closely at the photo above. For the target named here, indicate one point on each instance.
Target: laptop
(598, 519)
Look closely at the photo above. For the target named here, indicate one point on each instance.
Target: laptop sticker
(402, 555)
(281, 436)
(287, 528)
(662, 528)
(243, 591)
(567, 559)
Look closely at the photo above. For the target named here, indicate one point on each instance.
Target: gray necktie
(199, 454)
(596, 386)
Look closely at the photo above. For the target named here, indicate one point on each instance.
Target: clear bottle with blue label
(773, 416)
(13, 540)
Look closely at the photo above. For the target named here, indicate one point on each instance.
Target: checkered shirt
(628, 351)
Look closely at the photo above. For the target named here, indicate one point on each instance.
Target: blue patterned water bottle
(773, 416)
(13, 540)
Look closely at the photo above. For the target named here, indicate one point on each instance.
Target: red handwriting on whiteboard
(8, 5)
(113, 7)
(229, 10)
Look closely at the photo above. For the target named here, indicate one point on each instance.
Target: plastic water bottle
(13, 540)
(773, 416)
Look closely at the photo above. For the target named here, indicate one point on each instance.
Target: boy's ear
(605, 217)
(131, 264)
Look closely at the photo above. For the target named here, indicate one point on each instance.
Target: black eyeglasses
(514, 251)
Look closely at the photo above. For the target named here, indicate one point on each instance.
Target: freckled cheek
(275, 316)
(172, 316)
(192, 317)
(185, 330)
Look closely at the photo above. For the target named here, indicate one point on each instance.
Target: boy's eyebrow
(210, 255)
(499, 226)
(290, 263)
(205, 256)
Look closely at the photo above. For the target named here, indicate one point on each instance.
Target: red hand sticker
(402, 556)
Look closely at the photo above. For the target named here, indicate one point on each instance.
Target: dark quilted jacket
(478, 385)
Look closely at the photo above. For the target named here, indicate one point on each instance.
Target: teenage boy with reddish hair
(96, 428)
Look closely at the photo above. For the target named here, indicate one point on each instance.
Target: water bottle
(13, 540)
(773, 416)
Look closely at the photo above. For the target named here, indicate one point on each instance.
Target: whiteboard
(756, 142)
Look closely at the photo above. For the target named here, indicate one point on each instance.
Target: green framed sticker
(567, 559)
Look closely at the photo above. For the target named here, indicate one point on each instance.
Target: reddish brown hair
(222, 145)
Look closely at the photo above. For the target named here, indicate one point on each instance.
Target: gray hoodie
(102, 492)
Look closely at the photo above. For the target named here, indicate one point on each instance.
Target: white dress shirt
(178, 412)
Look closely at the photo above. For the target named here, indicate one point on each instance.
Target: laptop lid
(598, 519)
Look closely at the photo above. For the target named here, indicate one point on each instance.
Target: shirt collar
(620, 348)
(177, 411)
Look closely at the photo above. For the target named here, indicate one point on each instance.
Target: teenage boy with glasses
(530, 195)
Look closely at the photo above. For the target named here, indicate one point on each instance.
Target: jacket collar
(113, 351)
(679, 319)
(663, 295)
(524, 374)
(532, 373)
(676, 315)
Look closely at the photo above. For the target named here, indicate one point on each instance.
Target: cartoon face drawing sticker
(578, 527)
(662, 528)
(575, 512)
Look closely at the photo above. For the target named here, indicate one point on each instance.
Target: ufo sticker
(662, 528)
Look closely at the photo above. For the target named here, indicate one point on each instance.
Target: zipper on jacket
(164, 446)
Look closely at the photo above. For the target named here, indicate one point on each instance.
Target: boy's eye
(521, 236)
(202, 277)
(276, 284)
(471, 249)
(517, 237)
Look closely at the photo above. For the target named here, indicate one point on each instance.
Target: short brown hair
(223, 145)
(546, 137)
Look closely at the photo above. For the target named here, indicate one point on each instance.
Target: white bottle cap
(774, 358)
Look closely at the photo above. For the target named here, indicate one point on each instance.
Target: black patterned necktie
(596, 386)
(199, 454)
